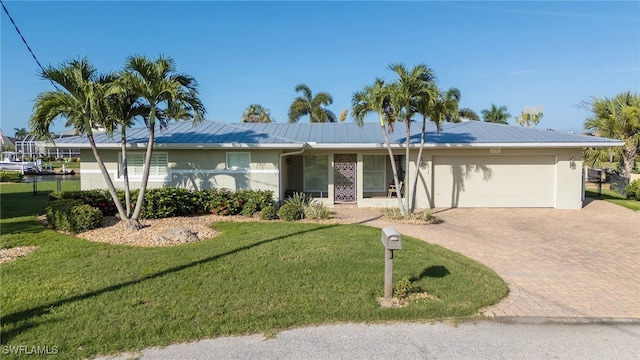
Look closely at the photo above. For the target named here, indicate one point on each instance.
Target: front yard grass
(257, 277)
(612, 197)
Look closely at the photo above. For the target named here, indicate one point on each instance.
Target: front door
(345, 178)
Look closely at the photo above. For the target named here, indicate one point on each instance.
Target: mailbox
(391, 239)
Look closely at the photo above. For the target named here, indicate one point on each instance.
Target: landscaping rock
(177, 235)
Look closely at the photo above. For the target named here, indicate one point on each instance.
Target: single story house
(467, 164)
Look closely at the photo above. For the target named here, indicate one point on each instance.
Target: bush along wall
(168, 202)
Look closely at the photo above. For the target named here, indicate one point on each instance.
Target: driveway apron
(557, 263)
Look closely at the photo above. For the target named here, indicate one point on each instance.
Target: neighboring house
(467, 164)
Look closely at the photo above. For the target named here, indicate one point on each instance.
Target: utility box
(391, 239)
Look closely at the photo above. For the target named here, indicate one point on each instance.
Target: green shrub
(268, 213)
(249, 208)
(84, 218)
(72, 215)
(427, 215)
(300, 199)
(405, 287)
(11, 176)
(633, 190)
(316, 211)
(99, 199)
(393, 213)
(168, 202)
(291, 211)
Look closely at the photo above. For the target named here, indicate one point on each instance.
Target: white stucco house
(467, 164)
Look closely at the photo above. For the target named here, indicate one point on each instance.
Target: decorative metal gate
(345, 178)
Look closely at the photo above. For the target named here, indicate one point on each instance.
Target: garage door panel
(494, 181)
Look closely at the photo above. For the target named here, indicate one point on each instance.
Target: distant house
(467, 164)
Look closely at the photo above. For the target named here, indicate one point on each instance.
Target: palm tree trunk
(415, 177)
(145, 171)
(396, 182)
(107, 178)
(628, 158)
(406, 165)
(125, 172)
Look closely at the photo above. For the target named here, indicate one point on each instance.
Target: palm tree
(413, 86)
(122, 110)
(21, 133)
(619, 118)
(314, 106)
(498, 115)
(255, 113)
(467, 113)
(81, 100)
(530, 117)
(376, 99)
(441, 107)
(168, 95)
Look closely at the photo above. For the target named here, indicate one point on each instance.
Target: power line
(25, 42)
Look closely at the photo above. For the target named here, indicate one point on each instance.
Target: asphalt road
(478, 340)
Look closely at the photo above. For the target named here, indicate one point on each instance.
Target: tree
(376, 99)
(439, 108)
(21, 133)
(413, 85)
(314, 106)
(122, 110)
(467, 113)
(255, 113)
(530, 117)
(618, 118)
(498, 115)
(168, 95)
(81, 100)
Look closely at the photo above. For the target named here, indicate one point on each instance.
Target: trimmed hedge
(11, 176)
(173, 201)
(72, 215)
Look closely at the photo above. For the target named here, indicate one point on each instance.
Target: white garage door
(494, 181)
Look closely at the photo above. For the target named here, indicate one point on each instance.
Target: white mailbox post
(392, 240)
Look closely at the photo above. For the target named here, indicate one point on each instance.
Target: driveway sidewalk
(557, 263)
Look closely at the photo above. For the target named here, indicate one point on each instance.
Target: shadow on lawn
(435, 271)
(24, 317)
(27, 226)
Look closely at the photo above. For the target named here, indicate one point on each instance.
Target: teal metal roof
(468, 133)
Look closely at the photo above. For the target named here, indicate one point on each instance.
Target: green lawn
(612, 197)
(88, 298)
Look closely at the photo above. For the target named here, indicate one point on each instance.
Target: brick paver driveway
(558, 263)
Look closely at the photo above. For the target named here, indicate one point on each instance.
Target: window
(374, 170)
(159, 164)
(316, 173)
(238, 160)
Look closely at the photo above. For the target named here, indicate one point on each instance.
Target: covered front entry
(344, 178)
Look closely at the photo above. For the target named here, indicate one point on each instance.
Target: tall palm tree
(498, 115)
(619, 118)
(81, 100)
(166, 93)
(123, 108)
(442, 107)
(413, 86)
(376, 99)
(256, 113)
(314, 106)
(530, 117)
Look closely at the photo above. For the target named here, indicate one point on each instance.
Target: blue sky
(554, 54)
